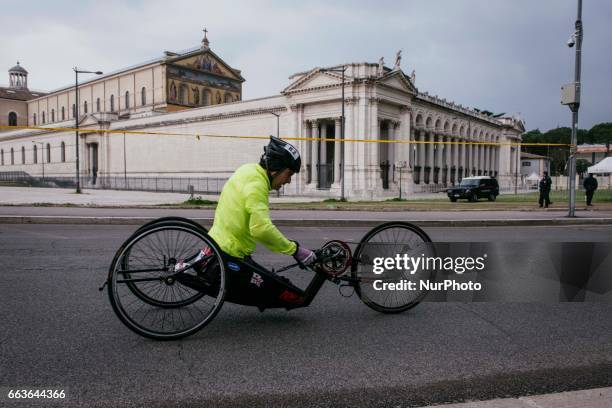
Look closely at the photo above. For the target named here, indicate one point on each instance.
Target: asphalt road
(59, 331)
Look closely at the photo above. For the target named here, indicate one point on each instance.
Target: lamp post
(573, 100)
(277, 122)
(42, 156)
(76, 120)
(342, 70)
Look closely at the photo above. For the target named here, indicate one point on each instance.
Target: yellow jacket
(242, 217)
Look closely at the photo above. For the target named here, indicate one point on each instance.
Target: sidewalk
(23, 205)
(595, 398)
(111, 198)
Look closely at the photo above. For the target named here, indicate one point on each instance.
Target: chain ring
(336, 258)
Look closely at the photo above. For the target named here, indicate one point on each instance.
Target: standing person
(590, 185)
(545, 186)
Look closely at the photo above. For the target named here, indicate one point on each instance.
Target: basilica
(183, 115)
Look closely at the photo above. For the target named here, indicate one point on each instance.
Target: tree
(600, 133)
(582, 166)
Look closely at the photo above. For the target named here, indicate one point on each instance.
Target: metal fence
(200, 185)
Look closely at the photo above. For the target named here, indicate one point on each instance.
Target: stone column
(496, 159)
(440, 157)
(462, 157)
(323, 152)
(412, 151)
(314, 127)
(350, 148)
(456, 158)
(477, 151)
(422, 148)
(337, 149)
(307, 133)
(430, 155)
(474, 159)
(403, 151)
(393, 147)
(448, 161)
(487, 157)
(373, 170)
(477, 156)
(468, 158)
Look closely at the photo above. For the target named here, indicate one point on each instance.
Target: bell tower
(18, 77)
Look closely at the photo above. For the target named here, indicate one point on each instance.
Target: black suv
(473, 188)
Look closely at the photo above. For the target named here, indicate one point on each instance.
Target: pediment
(314, 79)
(208, 62)
(88, 120)
(397, 80)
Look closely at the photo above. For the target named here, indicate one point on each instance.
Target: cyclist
(242, 219)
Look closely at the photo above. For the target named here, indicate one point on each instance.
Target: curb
(43, 219)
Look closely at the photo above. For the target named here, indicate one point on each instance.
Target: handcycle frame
(280, 293)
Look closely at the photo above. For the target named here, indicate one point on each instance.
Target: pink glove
(304, 255)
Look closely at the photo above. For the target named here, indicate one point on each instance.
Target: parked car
(473, 188)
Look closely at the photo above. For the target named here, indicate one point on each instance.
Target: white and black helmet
(279, 155)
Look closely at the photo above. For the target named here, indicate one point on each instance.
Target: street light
(42, 156)
(76, 120)
(277, 121)
(342, 70)
(571, 97)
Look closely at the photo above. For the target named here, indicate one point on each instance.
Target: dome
(18, 69)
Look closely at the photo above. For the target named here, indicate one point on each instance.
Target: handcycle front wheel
(147, 293)
(386, 241)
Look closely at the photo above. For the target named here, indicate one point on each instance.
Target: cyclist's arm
(260, 225)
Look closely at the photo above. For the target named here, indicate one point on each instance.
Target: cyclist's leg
(253, 284)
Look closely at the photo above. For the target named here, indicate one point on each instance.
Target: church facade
(393, 132)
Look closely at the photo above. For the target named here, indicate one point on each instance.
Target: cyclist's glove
(304, 255)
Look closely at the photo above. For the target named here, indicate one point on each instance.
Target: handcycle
(169, 279)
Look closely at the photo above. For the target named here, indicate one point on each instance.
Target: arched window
(63, 152)
(228, 98)
(127, 100)
(34, 119)
(98, 105)
(112, 103)
(22, 155)
(43, 118)
(183, 95)
(35, 154)
(2, 157)
(85, 107)
(52, 115)
(73, 111)
(12, 156)
(143, 96)
(12, 119)
(48, 153)
(205, 97)
(63, 113)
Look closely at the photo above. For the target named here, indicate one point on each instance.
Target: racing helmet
(279, 155)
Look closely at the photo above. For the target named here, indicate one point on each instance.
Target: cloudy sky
(500, 55)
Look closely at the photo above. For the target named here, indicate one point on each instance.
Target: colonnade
(442, 157)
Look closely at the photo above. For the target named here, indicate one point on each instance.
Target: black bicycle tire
(368, 302)
(173, 219)
(137, 292)
(173, 336)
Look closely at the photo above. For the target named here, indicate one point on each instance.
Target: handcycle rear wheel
(147, 293)
(384, 241)
(125, 260)
(173, 219)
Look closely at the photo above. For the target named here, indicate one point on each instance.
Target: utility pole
(570, 95)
